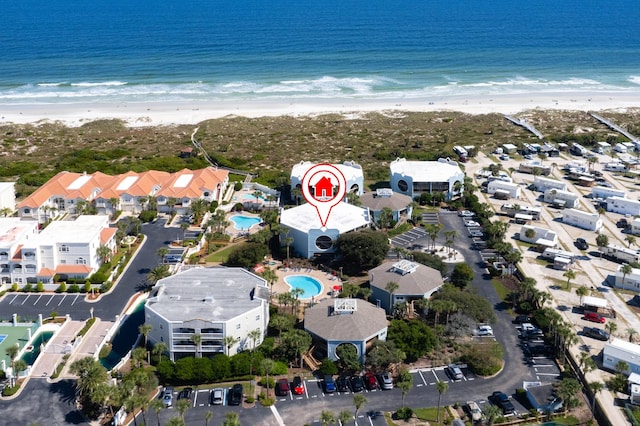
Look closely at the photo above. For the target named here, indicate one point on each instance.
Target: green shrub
(11, 390)
(106, 286)
(404, 413)
(62, 288)
(148, 216)
(14, 287)
(40, 287)
(98, 278)
(74, 288)
(237, 186)
(86, 327)
(250, 399)
(87, 287)
(28, 288)
(484, 359)
(266, 402)
(263, 382)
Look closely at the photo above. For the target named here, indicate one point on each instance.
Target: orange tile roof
(17, 256)
(106, 186)
(46, 272)
(73, 269)
(107, 234)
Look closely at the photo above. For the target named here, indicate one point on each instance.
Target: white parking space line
(49, 301)
(74, 300)
(436, 376)
(14, 298)
(25, 299)
(305, 392)
(62, 299)
(38, 299)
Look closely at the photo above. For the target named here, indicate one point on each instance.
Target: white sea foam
(100, 83)
(635, 79)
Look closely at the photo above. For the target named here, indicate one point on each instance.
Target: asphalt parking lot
(46, 302)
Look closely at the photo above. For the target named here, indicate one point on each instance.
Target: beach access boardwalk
(614, 126)
(55, 349)
(88, 347)
(524, 123)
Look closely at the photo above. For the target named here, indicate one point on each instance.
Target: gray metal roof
(419, 282)
(211, 294)
(366, 321)
(376, 203)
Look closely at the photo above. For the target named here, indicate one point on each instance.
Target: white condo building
(351, 171)
(310, 238)
(67, 249)
(416, 177)
(213, 303)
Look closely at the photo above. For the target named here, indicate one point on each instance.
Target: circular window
(403, 185)
(323, 242)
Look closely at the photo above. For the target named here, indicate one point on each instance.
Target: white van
(615, 167)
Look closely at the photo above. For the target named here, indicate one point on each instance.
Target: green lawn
(221, 256)
(430, 414)
(503, 292)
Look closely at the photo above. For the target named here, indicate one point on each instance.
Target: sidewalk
(89, 344)
(55, 350)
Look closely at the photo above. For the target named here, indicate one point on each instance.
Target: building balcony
(183, 348)
(212, 335)
(182, 336)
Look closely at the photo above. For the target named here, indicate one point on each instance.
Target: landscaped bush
(148, 216)
(40, 287)
(106, 286)
(263, 382)
(14, 287)
(11, 390)
(62, 288)
(98, 278)
(404, 413)
(86, 327)
(74, 288)
(484, 359)
(28, 288)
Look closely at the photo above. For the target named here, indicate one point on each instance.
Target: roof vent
(344, 306)
(384, 192)
(405, 267)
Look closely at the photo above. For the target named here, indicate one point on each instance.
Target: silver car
(217, 396)
(386, 382)
(167, 397)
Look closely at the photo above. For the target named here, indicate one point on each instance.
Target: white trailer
(623, 206)
(498, 187)
(568, 198)
(622, 254)
(542, 184)
(582, 219)
(512, 210)
(603, 192)
(551, 254)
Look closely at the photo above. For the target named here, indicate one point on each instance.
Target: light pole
(91, 311)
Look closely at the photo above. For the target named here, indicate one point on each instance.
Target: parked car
(329, 384)
(217, 396)
(236, 394)
(520, 319)
(474, 411)
(471, 224)
(386, 382)
(282, 387)
(582, 244)
(537, 349)
(594, 317)
(596, 333)
(185, 394)
(167, 397)
(454, 372)
(297, 386)
(532, 334)
(526, 326)
(342, 384)
(466, 213)
(356, 383)
(502, 401)
(485, 330)
(370, 380)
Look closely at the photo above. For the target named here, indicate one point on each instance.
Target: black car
(357, 385)
(537, 349)
(502, 400)
(521, 319)
(185, 393)
(343, 384)
(235, 397)
(532, 334)
(582, 244)
(596, 333)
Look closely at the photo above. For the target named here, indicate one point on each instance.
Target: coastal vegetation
(269, 146)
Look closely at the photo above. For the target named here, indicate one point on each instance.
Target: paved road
(28, 306)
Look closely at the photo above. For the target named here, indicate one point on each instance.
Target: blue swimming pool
(251, 197)
(244, 222)
(309, 285)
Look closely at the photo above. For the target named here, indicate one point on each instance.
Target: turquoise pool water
(30, 357)
(244, 222)
(252, 197)
(309, 285)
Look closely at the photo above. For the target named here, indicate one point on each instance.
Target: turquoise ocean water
(75, 51)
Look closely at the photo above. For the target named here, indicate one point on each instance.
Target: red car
(593, 317)
(370, 380)
(298, 386)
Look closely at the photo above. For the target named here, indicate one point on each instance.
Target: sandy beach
(159, 114)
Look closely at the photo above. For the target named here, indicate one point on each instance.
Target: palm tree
(158, 273)
(91, 374)
(327, 417)
(207, 417)
(162, 252)
(171, 202)
(267, 366)
(145, 329)
(270, 276)
(631, 332)
(626, 269)
(582, 291)
(432, 230)
(158, 349)
(344, 417)
(492, 413)
(602, 241)
(175, 421)
(359, 401)
(442, 388)
(287, 240)
(182, 406)
(391, 287)
(296, 293)
(12, 352)
(611, 327)
(228, 342)
(569, 275)
(197, 340)
(405, 383)
(231, 419)
(104, 253)
(157, 405)
(630, 239)
(184, 226)
(595, 388)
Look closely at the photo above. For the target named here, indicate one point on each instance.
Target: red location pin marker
(324, 186)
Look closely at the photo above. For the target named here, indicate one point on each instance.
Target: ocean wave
(323, 87)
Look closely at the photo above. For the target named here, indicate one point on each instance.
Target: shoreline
(146, 114)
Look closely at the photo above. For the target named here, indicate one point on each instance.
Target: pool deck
(327, 281)
(234, 233)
